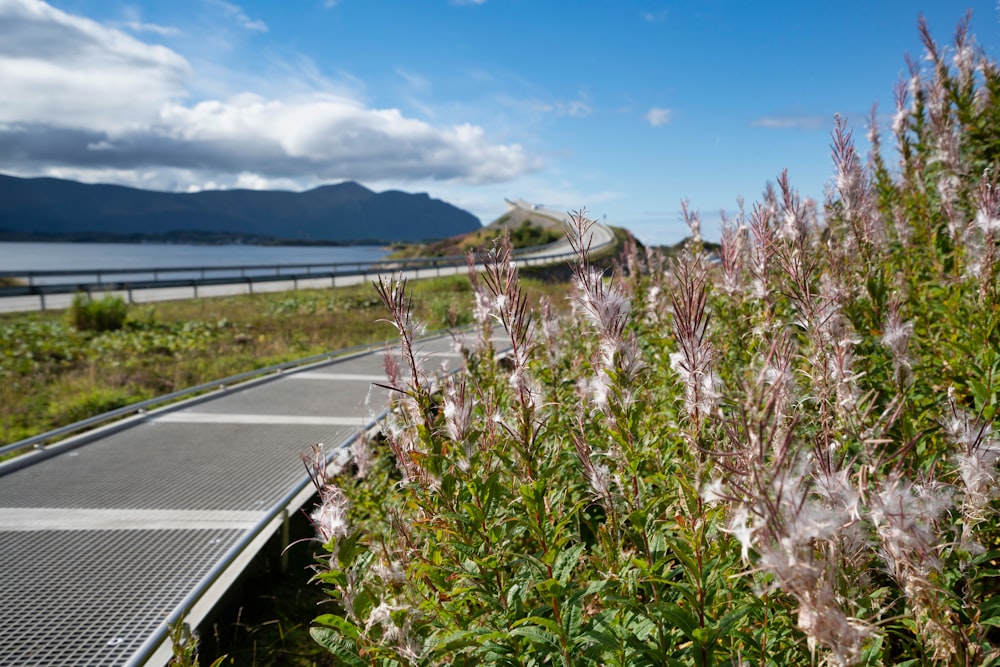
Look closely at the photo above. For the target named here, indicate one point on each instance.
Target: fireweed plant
(785, 457)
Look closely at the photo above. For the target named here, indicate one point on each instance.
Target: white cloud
(91, 100)
(161, 30)
(462, 3)
(236, 13)
(68, 71)
(658, 116)
(793, 122)
(577, 108)
(655, 17)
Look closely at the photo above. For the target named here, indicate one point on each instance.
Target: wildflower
(391, 572)
(330, 518)
(362, 455)
(976, 463)
(734, 247)
(457, 409)
(988, 205)
(607, 308)
(896, 336)
(598, 475)
(713, 491)
(904, 514)
(739, 529)
(692, 220)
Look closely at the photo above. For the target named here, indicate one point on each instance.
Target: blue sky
(621, 107)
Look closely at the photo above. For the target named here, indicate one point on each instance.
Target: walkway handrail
(152, 642)
(150, 645)
(143, 406)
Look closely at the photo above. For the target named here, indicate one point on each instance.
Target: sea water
(146, 256)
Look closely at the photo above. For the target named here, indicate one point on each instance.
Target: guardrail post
(41, 298)
(130, 299)
(285, 538)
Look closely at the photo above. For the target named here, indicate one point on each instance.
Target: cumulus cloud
(87, 99)
(658, 116)
(793, 122)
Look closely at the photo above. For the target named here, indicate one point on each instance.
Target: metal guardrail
(526, 256)
(126, 280)
(225, 384)
(103, 278)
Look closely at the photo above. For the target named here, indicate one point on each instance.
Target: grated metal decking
(100, 543)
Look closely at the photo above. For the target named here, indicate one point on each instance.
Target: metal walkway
(116, 532)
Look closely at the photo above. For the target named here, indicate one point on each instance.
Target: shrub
(104, 314)
(789, 458)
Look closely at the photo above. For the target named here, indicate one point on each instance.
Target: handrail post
(285, 538)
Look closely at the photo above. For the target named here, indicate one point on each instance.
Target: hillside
(54, 209)
(527, 227)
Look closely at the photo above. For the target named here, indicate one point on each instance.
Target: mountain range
(41, 209)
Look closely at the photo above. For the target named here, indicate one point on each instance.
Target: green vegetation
(59, 368)
(97, 315)
(527, 234)
(789, 458)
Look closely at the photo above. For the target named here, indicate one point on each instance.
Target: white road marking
(320, 375)
(62, 518)
(183, 417)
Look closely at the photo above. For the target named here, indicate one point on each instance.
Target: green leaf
(537, 635)
(677, 617)
(343, 649)
(572, 614)
(454, 641)
(566, 561)
(727, 622)
(340, 623)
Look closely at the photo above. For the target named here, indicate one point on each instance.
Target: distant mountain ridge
(55, 209)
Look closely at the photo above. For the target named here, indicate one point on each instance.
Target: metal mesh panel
(93, 597)
(174, 466)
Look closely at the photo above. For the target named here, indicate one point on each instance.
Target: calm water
(90, 256)
(144, 257)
